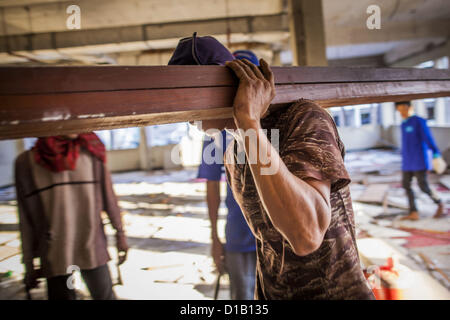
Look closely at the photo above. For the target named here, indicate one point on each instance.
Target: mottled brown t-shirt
(310, 147)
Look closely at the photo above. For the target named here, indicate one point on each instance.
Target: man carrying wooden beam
(294, 193)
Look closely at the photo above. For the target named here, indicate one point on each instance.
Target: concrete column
(307, 33)
(143, 150)
(349, 116)
(388, 114)
(440, 109)
(357, 114)
(420, 109)
(276, 58)
(373, 114)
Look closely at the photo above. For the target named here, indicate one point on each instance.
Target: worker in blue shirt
(417, 142)
(238, 255)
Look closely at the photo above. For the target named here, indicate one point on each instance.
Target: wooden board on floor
(7, 252)
(40, 101)
(374, 193)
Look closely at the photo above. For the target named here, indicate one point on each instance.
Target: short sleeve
(210, 169)
(312, 148)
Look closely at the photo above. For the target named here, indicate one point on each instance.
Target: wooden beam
(40, 101)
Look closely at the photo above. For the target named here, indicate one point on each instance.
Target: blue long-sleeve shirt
(417, 141)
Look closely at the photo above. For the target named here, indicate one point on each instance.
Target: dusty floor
(168, 231)
(168, 234)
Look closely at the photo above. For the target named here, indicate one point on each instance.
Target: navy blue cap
(246, 54)
(200, 51)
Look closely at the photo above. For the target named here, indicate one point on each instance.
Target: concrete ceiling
(36, 29)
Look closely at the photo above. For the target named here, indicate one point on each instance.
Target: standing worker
(417, 142)
(62, 185)
(238, 255)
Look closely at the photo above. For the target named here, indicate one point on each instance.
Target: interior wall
(123, 160)
(8, 154)
(354, 138)
(363, 137)
(441, 135)
(161, 157)
(373, 136)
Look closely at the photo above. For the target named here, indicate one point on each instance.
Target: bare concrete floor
(168, 230)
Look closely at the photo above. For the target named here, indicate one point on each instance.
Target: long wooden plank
(56, 101)
(83, 105)
(32, 80)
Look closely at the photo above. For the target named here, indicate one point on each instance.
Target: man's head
(200, 51)
(405, 108)
(203, 51)
(246, 54)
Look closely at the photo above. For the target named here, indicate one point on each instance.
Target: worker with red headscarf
(62, 186)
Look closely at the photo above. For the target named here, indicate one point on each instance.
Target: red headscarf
(58, 153)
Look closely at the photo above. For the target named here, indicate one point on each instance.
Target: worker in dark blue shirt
(238, 255)
(418, 149)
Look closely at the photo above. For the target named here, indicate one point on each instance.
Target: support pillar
(307, 32)
(143, 150)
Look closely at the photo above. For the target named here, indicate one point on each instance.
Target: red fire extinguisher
(384, 281)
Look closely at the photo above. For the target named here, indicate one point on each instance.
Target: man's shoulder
(304, 106)
(293, 113)
(307, 114)
(416, 118)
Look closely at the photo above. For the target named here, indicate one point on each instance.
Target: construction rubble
(168, 229)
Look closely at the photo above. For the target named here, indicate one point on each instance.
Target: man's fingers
(254, 68)
(268, 74)
(247, 69)
(238, 70)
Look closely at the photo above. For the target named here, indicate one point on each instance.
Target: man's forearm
(213, 201)
(299, 211)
